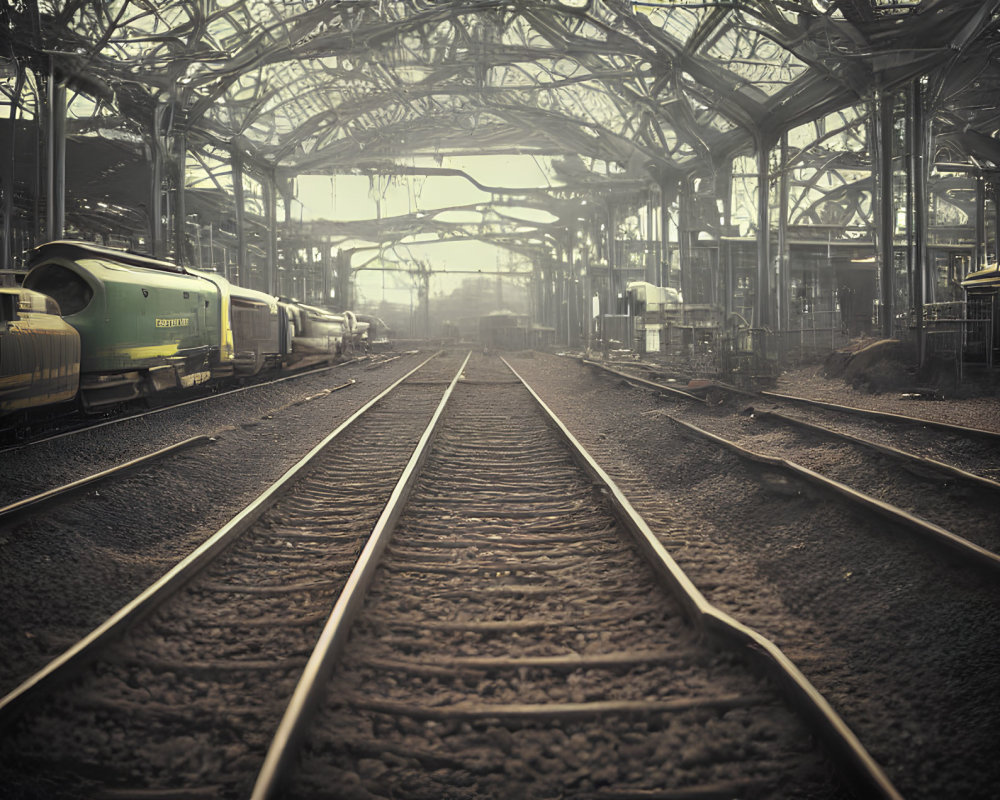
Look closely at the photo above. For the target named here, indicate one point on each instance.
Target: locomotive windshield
(68, 289)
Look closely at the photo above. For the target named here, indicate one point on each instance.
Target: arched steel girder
(306, 37)
(659, 83)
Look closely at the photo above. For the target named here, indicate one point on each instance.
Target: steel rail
(935, 533)
(893, 452)
(979, 433)
(195, 401)
(645, 382)
(22, 507)
(864, 772)
(309, 691)
(66, 665)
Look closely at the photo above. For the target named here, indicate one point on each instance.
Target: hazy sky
(344, 198)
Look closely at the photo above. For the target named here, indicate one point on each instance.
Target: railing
(819, 332)
(959, 332)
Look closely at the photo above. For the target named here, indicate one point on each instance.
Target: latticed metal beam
(644, 92)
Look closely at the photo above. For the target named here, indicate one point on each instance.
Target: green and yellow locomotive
(142, 326)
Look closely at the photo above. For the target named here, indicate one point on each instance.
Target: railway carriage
(39, 352)
(111, 326)
(144, 325)
(320, 332)
(255, 326)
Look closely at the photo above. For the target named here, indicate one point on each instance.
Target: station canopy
(611, 100)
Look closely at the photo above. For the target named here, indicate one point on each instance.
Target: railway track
(515, 644)
(513, 640)
(74, 549)
(49, 499)
(888, 464)
(919, 498)
(190, 695)
(902, 640)
(61, 429)
(971, 449)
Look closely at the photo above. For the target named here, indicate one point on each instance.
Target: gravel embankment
(903, 642)
(971, 412)
(65, 572)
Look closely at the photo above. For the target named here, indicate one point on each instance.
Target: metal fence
(959, 332)
(819, 333)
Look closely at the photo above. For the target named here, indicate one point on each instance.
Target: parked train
(107, 326)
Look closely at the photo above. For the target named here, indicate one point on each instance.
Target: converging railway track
(510, 639)
(61, 428)
(515, 643)
(971, 449)
(194, 690)
(88, 520)
(954, 507)
(900, 633)
(926, 477)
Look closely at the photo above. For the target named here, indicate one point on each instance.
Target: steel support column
(155, 220)
(342, 287)
(180, 200)
(978, 258)
(270, 189)
(549, 316)
(684, 239)
(572, 299)
(425, 300)
(885, 219)
(236, 162)
(588, 294)
(650, 261)
(663, 272)
(918, 144)
(8, 171)
(784, 286)
(611, 305)
(56, 189)
(762, 301)
(324, 262)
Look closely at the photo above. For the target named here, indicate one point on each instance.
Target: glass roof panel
(651, 90)
(756, 60)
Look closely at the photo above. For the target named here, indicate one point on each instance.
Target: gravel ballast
(65, 572)
(901, 640)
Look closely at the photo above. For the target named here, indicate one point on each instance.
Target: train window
(68, 289)
(52, 307)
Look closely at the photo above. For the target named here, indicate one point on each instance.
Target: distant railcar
(317, 332)
(982, 291)
(39, 352)
(504, 331)
(258, 330)
(377, 333)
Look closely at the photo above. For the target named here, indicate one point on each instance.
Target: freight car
(146, 325)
